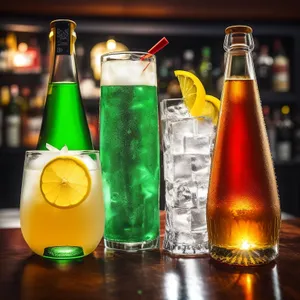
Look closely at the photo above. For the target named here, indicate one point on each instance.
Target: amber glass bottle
(243, 211)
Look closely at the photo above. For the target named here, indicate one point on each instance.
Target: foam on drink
(124, 72)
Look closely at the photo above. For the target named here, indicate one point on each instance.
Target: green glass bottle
(64, 119)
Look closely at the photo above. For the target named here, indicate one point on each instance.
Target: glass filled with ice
(129, 150)
(188, 143)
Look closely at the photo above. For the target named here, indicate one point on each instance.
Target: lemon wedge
(65, 182)
(211, 108)
(192, 90)
(198, 103)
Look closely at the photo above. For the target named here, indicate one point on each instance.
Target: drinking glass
(62, 209)
(129, 144)
(188, 143)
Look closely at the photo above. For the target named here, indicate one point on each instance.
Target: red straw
(157, 47)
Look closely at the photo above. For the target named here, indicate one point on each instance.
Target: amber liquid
(243, 211)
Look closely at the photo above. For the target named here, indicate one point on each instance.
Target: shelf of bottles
(24, 77)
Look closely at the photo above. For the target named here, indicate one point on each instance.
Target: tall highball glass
(129, 147)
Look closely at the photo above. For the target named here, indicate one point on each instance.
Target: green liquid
(63, 252)
(129, 150)
(64, 120)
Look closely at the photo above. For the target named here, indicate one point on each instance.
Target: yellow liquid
(44, 225)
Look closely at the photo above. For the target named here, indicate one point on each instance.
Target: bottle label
(281, 82)
(63, 38)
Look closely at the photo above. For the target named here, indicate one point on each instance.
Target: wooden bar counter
(108, 275)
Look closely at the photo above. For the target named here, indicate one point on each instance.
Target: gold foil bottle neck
(72, 34)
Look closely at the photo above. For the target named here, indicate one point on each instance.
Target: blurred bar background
(195, 30)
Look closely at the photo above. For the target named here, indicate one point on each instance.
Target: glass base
(195, 244)
(132, 247)
(63, 252)
(251, 257)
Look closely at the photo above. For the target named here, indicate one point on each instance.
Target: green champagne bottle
(64, 119)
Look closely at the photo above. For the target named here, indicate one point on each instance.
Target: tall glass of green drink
(129, 147)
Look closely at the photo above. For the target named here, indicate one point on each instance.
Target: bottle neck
(63, 69)
(62, 57)
(239, 64)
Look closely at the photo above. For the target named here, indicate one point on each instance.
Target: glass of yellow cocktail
(62, 210)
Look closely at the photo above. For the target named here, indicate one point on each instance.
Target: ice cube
(182, 168)
(176, 110)
(183, 128)
(202, 192)
(182, 111)
(181, 219)
(185, 195)
(203, 127)
(166, 129)
(183, 238)
(200, 240)
(202, 175)
(200, 162)
(200, 165)
(198, 219)
(169, 194)
(169, 219)
(168, 166)
(176, 145)
(171, 112)
(196, 145)
(172, 142)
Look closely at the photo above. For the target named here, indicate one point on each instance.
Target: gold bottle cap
(238, 29)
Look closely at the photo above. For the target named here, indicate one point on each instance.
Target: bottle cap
(238, 29)
(238, 37)
(57, 21)
(63, 30)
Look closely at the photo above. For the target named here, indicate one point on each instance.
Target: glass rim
(74, 152)
(137, 53)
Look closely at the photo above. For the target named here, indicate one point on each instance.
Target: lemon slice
(211, 108)
(192, 91)
(65, 182)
